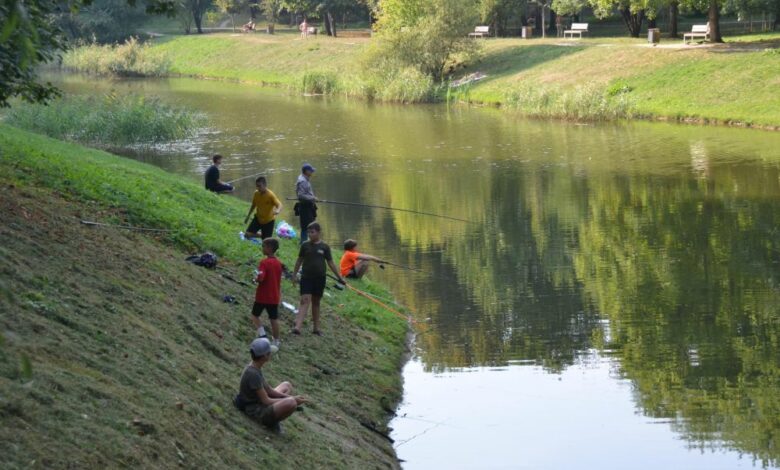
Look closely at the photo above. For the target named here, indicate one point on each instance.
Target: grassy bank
(591, 79)
(116, 352)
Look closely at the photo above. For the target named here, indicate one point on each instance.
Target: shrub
(584, 103)
(108, 121)
(129, 59)
(321, 83)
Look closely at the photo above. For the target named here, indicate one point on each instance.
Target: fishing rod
(373, 299)
(373, 206)
(401, 266)
(244, 177)
(126, 227)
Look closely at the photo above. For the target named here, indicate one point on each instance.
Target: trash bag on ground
(285, 230)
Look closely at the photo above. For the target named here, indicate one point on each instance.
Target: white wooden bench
(311, 30)
(576, 28)
(697, 31)
(480, 32)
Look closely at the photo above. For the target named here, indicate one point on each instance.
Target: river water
(613, 303)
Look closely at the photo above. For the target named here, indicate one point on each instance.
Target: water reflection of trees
(685, 270)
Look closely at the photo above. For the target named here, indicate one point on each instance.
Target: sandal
(296, 332)
(317, 332)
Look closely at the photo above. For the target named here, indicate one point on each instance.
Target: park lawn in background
(116, 352)
(279, 59)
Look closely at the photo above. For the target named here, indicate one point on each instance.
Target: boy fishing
(353, 264)
(268, 295)
(265, 205)
(313, 256)
(213, 183)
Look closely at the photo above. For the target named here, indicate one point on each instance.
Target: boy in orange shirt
(353, 264)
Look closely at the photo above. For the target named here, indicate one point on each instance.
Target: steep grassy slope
(116, 352)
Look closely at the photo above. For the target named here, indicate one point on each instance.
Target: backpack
(207, 260)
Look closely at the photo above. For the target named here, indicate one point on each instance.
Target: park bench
(311, 30)
(576, 28)
(480, 32)
(697, 31)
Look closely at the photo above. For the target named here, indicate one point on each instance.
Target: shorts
(273, 310)
(314, 286)
(352, 274)
(265, 230)
(221, 188)
(263, 414)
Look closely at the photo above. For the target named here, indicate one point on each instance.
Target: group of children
(256, 398)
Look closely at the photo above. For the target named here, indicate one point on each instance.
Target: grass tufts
(129, 59)
(110, 120)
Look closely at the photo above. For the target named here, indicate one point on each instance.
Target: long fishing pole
(401, 266)
(244, 177)
(126, 227)
(383, 305)
(373, 206)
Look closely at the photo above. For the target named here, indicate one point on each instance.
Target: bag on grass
(207, 260)
(285, 230)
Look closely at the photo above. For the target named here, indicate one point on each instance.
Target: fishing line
(126, 227)
(373, 206)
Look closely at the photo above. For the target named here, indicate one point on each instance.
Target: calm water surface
(614, 303)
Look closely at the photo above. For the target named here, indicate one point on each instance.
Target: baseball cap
(308, 167)
(261, 347)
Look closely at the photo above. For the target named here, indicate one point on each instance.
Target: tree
(498, 13)
(424, 34)
(301, 7)
(568, 7)
(197, 9)
(105, 21)
(29, 38)
(232, 8)
(631, 11)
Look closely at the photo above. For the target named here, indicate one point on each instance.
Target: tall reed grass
(108, 121)
(129, 59)
(583, 103)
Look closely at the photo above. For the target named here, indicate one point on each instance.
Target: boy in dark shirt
(213, 183)
(269, 406)
(312, 257)
(268, 295)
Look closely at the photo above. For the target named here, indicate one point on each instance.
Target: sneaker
(276, 342)
(261, 333)
(276, 429)
(296, 332)
(317, 333)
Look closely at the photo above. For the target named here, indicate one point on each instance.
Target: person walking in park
(213, 183)
(304, 27)
(306, 208)
(313, 257)
(268, 295)
(258, 400)
(353, 264)
(266, 206)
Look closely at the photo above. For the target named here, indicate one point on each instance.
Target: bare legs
(287, 406)
(308, 300)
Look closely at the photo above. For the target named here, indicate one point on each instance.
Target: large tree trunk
(714, 20)
(329, 19)
(674, 10)
(633, 21)
(652, 23)
(776, 24)
(197, 16)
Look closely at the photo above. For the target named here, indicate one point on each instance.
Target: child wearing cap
(353, 264)
(313, 256)
(268, 295)
(258, 400)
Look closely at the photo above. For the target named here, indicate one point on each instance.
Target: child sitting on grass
(353, 264)
(268, 295)
(266, 405)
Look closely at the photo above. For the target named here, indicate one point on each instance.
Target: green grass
(108, 121)
(115, 352)
(129, 59)
(731, 83)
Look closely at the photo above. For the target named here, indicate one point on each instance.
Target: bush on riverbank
(110, 120)
(129, 59)
(585, 103)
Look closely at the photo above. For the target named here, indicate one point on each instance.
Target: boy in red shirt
(269, 294)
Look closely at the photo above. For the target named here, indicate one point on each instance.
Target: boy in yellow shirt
(266, 205)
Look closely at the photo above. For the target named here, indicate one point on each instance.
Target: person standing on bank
(213, 183)
(306, 208)
(313, 258)
(266, 206)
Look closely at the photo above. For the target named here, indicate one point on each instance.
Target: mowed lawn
(736, 82)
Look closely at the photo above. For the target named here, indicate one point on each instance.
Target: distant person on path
(353, 264)
(312, 258)
(306, 208)
(213, 183)
(266, 405)
(268, 295)
(304, 27)
(266, 206)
